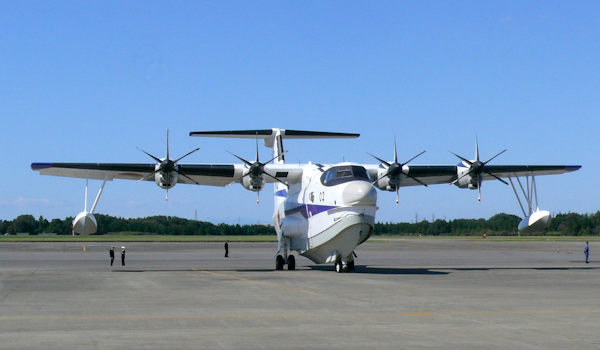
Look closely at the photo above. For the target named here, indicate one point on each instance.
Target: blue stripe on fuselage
(281, 193)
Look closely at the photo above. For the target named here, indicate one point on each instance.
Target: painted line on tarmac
(265, 283)
(402, 314)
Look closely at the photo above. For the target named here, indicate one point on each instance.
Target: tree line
(570, 224)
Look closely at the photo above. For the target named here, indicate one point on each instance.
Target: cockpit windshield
(339, 174)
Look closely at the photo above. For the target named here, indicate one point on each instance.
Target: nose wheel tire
(339, 267)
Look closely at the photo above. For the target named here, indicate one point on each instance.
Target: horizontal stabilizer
(268, 133)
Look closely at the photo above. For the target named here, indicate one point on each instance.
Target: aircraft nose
(359, 192)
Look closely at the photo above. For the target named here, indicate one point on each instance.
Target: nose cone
(359, 192)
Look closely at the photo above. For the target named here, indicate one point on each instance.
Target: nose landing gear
(344, 265)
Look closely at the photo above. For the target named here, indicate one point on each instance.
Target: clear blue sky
(88, 81)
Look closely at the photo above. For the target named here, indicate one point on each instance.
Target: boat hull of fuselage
(346, 232)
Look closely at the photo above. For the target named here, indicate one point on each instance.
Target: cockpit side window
(340, 174)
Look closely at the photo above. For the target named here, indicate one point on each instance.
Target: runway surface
(404, 294)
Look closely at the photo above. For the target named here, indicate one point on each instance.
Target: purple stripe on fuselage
(309, 210)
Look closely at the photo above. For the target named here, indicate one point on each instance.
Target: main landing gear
(280, 261)
(285, 259)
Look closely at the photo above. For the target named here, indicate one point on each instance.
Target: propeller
(167, 165)
(394, 170)
(256, 169)
(477, 168)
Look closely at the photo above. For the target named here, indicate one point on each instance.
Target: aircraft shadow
(383, 270)
(521, 268)
(375, 270)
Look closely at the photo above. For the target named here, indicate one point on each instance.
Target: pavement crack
(18, 285)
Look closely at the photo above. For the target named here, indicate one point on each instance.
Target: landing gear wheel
(279, 262)
(339, 267)
(291, 262)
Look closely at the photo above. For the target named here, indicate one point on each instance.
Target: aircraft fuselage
(328, 213)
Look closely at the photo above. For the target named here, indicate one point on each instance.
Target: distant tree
(25, 223)
(4, 226)
(499, 224)
(56, 226)
(42, 225)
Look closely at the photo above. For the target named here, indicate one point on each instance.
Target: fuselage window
(341, 174)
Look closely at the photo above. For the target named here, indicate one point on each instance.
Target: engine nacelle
(166, 180)
(535, 222)
(386, 183)
(253, 183)
(85, 224)
(469, 181)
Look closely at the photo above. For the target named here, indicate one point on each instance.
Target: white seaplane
(322, 211)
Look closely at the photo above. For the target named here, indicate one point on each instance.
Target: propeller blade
(189, 178)
(379, 159)
(168, 144)
(382, 176)
(494, 157)
(257, 158)
(153, 157)
(455, 181)
(282, 153)
(240, 158)
(497, 178)
(413, 158)
(463, 159)
(398, 195)
(180, 158)
(395, 151)
(149, 175)
(274, 178)
(414, 178)
(476, 148)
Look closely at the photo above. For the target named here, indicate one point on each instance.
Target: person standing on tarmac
(226, 249)
(112, 254)
(122, 256)
(586, 251)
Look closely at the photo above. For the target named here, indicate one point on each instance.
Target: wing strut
(529, 193)
(99, 194)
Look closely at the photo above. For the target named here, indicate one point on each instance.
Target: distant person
(122, 256)
(586, 251)
(112, 254)
(226, 249)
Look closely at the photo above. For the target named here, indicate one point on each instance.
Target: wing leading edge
(442, 174)
(203, 174)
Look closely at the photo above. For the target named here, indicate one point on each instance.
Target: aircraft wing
(504, 171)
(203, 174)
(443, 174)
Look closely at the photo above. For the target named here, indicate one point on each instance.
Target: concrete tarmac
(404, 294)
